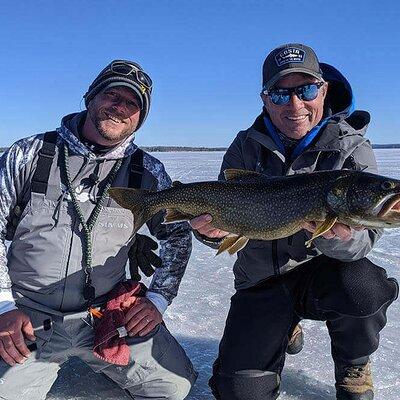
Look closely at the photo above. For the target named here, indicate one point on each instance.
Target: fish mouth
(391, 208)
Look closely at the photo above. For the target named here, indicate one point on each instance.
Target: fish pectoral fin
(232, 243)
(238, 245)
(173, 215)
(323, 227)
(227, 242)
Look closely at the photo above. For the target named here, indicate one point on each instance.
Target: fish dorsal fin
(176, 183)
(236, 174)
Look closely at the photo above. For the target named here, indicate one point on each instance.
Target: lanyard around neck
(89, 292)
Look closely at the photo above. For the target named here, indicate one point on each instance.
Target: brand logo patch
(290, 55)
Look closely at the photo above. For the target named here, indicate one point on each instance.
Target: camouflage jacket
(44, 259)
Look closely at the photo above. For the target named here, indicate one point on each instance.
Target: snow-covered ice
(197, 315)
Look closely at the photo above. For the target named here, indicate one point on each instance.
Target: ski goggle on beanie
(124, 73)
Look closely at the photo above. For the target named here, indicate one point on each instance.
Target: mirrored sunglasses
(282, 96)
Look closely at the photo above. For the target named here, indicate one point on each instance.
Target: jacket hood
(339, 102)
(69, 131)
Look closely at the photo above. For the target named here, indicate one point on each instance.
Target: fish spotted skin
(257, 207)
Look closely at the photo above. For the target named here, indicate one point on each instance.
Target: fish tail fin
(135, 200)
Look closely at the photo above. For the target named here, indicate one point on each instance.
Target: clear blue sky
(204, 57)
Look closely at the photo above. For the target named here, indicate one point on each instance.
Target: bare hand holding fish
(202, 224)
(339, 230)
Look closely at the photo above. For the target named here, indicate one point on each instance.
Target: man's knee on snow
(357, 289)
(246, 385)
(176, 389)
(182, 389)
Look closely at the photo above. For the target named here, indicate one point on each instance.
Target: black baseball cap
(289, 58)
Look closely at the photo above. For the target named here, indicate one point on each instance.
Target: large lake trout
(253, 206)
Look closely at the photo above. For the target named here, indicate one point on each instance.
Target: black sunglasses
(281, 96)
(126, 68)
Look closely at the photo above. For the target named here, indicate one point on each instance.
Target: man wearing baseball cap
(63, 287)
(308, 123)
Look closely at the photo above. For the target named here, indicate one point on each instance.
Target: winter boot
(354, 382)
(296, 341)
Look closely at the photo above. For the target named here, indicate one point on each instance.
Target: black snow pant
(352, 297)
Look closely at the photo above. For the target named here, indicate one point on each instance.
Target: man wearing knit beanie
(121, 83)
(69, 252)
(126, 74)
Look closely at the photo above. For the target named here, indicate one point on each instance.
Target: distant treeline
(179, 148)
(166, 148)
(386, 146)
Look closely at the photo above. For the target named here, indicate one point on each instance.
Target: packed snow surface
(197, 315)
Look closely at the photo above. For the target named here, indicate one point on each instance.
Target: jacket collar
(259, 133)
(332, 132)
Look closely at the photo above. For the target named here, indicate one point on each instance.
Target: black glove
(141, 256)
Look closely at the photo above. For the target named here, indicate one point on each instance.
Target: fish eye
(387, 185)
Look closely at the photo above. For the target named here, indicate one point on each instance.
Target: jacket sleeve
(233, 157)
(175, 249)
(12, 178)
(361, 242)
(7, 203)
